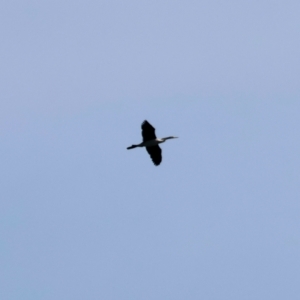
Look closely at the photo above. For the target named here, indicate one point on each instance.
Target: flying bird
(151, 142)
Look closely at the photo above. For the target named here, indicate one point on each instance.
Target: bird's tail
(131, 147)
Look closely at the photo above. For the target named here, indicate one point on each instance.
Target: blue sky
(82, 217)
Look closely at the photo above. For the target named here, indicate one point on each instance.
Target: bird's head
(171, 137)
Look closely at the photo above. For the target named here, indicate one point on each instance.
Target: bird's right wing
(148, 131)
(155, 154)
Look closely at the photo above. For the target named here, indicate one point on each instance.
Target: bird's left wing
(155, 154)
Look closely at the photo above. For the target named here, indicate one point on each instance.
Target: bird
(151, 142)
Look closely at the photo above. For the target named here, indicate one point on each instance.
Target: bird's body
(151, 142)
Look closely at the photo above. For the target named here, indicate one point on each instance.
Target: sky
(81, 217)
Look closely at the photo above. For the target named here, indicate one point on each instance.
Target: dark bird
(151, 142)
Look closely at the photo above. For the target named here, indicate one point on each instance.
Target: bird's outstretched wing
(155, 154)
(148, 131)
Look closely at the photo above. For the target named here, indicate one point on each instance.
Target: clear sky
(81, 217)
